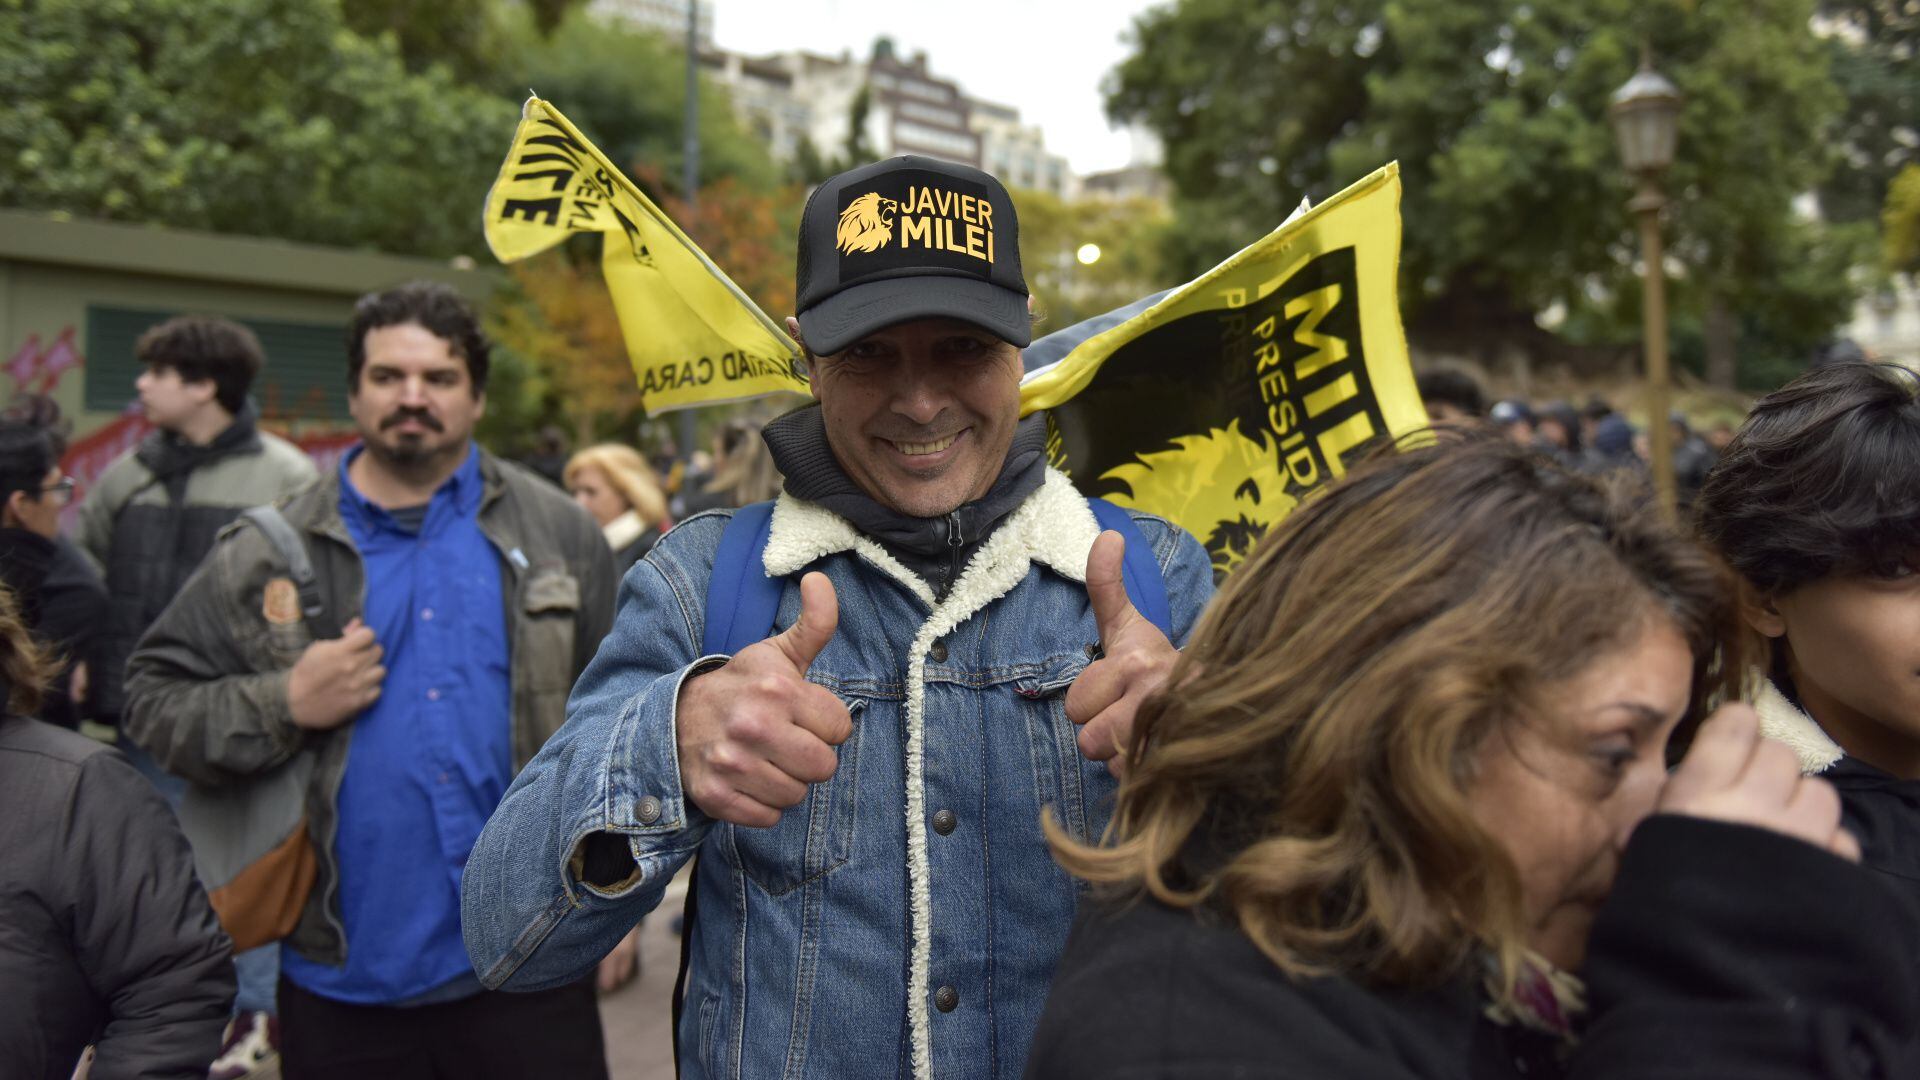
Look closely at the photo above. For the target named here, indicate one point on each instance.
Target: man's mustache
(401, 416)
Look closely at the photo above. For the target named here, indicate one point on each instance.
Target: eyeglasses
(61, 490)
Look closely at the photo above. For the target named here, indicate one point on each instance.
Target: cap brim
(851, 314)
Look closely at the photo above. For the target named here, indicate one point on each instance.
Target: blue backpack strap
(742, 601)
(1140, 570)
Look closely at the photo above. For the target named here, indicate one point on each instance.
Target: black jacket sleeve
(142, 929)
(1727, 951)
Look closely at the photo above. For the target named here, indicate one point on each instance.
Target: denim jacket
(906, 918)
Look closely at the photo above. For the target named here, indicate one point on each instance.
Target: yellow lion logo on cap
(866, 224)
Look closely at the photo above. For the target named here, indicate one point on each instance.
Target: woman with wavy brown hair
(1379, 824)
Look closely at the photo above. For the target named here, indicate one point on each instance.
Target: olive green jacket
(207, 687)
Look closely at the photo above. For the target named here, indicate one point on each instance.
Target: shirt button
(1093, 651)
(946, 999)
(944, 822)
(427, 614)
(443, 778)
(648, 810)
(938, 652)
(433, 694)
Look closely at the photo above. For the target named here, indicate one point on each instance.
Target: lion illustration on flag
(866, 224)
(1222, 486)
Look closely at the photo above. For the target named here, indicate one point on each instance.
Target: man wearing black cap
(864, 767)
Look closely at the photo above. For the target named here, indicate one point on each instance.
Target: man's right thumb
(819, 618)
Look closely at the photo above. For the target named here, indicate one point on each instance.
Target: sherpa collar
(1783, 721)
(1053, 527)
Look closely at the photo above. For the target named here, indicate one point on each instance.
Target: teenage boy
(1814, 504)
(153, 514)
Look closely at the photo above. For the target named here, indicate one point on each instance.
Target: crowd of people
(1481, 766)
(1590, 438)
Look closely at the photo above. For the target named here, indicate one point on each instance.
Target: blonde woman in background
(617, 486)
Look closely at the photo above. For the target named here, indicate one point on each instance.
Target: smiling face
(1563, 792)
(921, 414)
(414, 402)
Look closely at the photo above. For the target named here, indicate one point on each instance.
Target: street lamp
(1646, 123)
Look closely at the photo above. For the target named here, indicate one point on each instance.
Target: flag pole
(690, 172)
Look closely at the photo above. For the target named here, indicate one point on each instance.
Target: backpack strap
(742, 600)
(1146, 587)
(293, 551)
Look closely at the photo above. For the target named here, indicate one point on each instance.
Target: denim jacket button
(946, 999)
(648, 809)
(939, 652)
(944, 822)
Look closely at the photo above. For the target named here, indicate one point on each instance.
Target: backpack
(249, 839)
(743, 602)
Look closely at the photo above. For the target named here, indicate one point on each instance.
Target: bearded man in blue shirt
(471, 593)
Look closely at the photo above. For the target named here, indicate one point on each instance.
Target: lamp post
(1646, 124)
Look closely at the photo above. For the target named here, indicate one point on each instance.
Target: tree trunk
(1720, 330)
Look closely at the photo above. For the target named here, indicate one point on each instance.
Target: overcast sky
(1043, 57)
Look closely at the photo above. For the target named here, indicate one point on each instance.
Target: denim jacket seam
(629, 732)
(527, 941)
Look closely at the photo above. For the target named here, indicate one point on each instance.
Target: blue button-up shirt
(430, 759)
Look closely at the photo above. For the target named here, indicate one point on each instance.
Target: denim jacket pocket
(813, 838)
(1059, 778)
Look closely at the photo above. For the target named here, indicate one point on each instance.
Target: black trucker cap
(909, 238)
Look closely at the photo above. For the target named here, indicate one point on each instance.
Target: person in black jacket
(1816, 503)
(106, 938)
(63, 602)
(1405, 812)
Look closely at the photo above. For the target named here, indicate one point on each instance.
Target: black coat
(63, 602)
(624, 558)
(1725, 952)
(105, 933)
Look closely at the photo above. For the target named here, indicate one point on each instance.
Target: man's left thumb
(1106, 587)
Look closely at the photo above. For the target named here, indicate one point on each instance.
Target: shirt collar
(461, 491)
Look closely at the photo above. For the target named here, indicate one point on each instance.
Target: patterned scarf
(1544, 998)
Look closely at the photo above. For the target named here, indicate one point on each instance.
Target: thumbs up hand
(754, 734)
(1135, 660)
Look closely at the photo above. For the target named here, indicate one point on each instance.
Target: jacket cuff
(1711, 919)
(644, 799)
(276, 718)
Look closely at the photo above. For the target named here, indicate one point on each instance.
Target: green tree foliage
(266, 117)
(1129, 233)
(1497, 113)
(470, 36)
(1901, 222)
(1876, 61)
(625, 89)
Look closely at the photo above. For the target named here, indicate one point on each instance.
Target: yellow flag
(1224, 402)
(693, 337)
